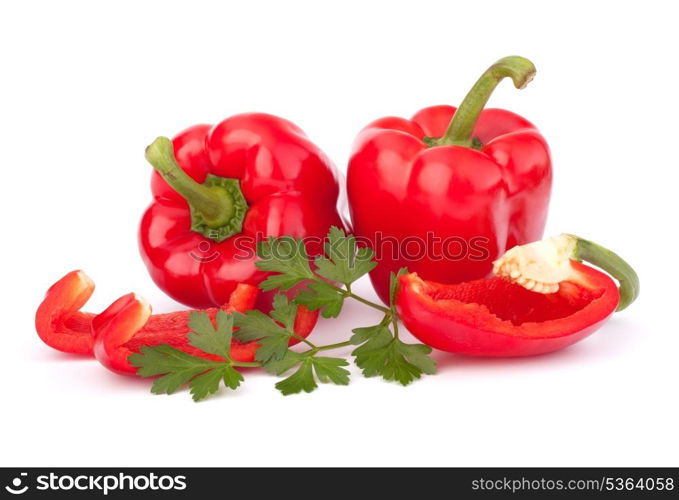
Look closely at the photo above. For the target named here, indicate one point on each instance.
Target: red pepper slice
(543, 300)
(63, 326)
(59, 321)
(127, 325)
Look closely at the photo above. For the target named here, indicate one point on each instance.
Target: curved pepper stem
(218, 206)
(459, 132)
(613, 264)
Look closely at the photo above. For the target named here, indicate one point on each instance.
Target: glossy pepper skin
(281, 182)
(499, 317)
(466, 187)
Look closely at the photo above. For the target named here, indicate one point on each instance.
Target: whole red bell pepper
(446, 192)
(219, 190)
(542, 299)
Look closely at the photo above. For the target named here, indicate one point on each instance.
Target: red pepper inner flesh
(511, 302)
(495, 317)
(75, 322)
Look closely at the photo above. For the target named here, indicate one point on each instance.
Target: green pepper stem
(217, 206)
(461, 127)
(613, 264)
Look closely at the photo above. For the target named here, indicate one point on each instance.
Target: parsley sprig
(325, 286)
(177, 368)
(343, 263)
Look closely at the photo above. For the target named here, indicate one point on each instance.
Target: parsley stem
(366, 302)
(334, 346)
(394, 321)
(328, 347)
(245, 364)
(386, 320)
(302, 339)
(392, 307)
(350, 294)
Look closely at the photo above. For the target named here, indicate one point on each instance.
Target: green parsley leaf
(330, 370)
(280, 366)
(179, 368)
(372, 337)
(418, 355)
(344, 262)
(366, 333)
(175, 366)
(207, 338)
(284, 311)
(206, 384)
(406, 362)
(387, 356)
(272, 348)
(231, 377)
(326, 370)
(163, 359)
(254, 325)
(284, 255)
(323, 296)
(273, 338)
(301, 380)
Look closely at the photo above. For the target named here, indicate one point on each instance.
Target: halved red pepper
(542, 299)
(127, 325)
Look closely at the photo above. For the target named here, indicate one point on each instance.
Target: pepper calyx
(233, 223)
(218, 207)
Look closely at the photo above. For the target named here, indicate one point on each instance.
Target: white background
(85, 86)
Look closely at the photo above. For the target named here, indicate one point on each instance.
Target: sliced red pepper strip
(127, 325)
(59, 321)
(61, 325)
(500, 316)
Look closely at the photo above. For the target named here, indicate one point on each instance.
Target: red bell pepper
(219, 190)
(541, 300)
(448, 191)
